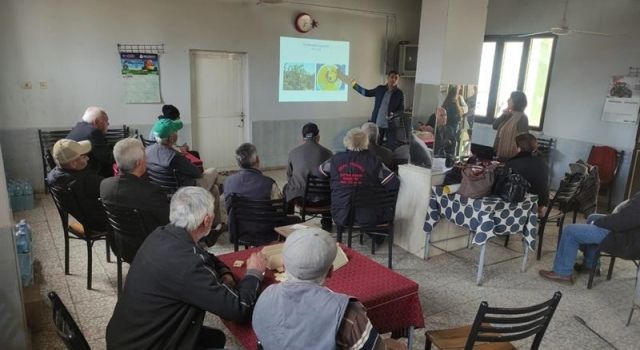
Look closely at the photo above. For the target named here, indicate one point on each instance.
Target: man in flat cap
(301, 313)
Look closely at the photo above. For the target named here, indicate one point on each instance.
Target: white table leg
(410, 337)
(526, 255)
(427, 243)
(481, 264)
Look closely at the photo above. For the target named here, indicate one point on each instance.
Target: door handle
(242, 115)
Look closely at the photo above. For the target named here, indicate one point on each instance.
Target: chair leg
(592, 271)
(361, 238)
(560, 230)
(89, 263)
(390, 242)
(349, 233)
(119, 262)
(610, 272)
(630, 315)
(66, 255)
(506, 240)
(609, 199)
(540, 237)
(427, 344)
(373, 243)
(575, 215)
(108, 251)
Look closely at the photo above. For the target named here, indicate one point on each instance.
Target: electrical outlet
(44, 84)
(27, 85)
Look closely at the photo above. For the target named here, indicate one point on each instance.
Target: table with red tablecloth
(392, 300)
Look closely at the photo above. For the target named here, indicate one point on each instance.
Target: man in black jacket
(131, 190)
(93, 127)
(388, 104)
(72, 172)
(172, 282)
(625, 219)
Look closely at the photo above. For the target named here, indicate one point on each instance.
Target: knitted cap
(308, 253)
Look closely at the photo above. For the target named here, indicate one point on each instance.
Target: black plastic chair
(496, 327)
(129, 232)
(563, 200)
(67, 203)
(145, 142)
(168, 180)
(371, 199)
(66, 327)
(265, 214)
(316, 188)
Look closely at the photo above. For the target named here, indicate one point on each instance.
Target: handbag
(477, 181)
(511, 187)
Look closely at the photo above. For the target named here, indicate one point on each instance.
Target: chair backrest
(565, 195)
(67, 203)
(495, 325)
(372, 198)
(167, 179)
(545, 145)
(66, 327)
(316, 188)
(265, 213)
(129, 230)
(146, 142)
(608, 161)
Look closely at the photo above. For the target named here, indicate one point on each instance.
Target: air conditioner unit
(407, 60)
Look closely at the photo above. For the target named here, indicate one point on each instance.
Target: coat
(624, 239)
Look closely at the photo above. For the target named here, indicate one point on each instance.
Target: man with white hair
(301, 313)
(357, 168)
(383, 153)
(130, 189)
(172, 282)
(93, 127)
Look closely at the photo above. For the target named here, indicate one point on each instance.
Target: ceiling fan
(563, 28)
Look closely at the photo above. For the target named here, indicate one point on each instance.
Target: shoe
(552, 276)
(581, 268)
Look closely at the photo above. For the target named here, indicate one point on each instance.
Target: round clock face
(304, 22)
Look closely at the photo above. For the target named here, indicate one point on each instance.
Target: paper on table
(273, 254)
(299, 226)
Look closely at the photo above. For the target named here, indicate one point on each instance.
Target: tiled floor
(449, 295)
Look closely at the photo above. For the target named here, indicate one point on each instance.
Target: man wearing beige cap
(71, 171)
(301, 313)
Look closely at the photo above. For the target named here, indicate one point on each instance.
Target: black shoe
(582, 268)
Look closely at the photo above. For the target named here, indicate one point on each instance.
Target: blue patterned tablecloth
(486, 217)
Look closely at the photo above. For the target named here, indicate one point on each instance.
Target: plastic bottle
(27, 195)
(17, 190)
(23, 225)
(23, 247)
(12, 194)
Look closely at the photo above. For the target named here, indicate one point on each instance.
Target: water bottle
(27, 195)
(23, 248)
(23, 225)
(17, 190)
(12, 194)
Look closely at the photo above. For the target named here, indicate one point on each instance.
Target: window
(511, 63)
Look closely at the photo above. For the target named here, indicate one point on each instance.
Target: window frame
(500, 41)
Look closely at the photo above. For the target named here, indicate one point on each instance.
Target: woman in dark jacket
(534, 169)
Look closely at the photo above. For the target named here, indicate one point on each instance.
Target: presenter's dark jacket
(170, 285)
(350, 170)
(130, 191)
(101, 156)
(396, 102)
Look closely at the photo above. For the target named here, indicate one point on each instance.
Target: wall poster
(140, 77)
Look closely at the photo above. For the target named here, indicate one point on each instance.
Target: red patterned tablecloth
(392, 300)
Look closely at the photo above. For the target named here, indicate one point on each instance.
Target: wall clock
(304, 23)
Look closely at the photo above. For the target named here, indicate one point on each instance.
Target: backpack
(511, 187)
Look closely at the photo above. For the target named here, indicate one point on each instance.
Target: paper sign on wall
(623, 100)
(140, 78)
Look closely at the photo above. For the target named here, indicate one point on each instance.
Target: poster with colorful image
(140, 77)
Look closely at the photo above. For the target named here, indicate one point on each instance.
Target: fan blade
(533, 34)
(589, 32)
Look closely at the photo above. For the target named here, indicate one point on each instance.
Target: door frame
(247, 125)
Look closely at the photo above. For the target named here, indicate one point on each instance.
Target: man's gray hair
(91, 114)
(371, 129)
(356, 140)
(189, 206)
(128, 152)
(246, 155)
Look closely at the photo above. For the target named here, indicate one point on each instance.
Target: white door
(218, 106)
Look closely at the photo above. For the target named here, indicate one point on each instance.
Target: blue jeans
(573, 236)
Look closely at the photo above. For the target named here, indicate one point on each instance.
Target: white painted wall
(583, 64)
(72, 45)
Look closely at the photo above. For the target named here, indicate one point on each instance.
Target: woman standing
(511, 123)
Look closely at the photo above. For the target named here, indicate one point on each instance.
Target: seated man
(93, 128)
(172, 282)
(357, 168)
(250, 183)
(301, 313)
(444, 143)
(162, 157)
(171, 112)
(534, 169)
(625, 218)
(131, 190)
(383, 153)
(71, 171)
(304, 160)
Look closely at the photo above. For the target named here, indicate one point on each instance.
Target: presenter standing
(388, 104)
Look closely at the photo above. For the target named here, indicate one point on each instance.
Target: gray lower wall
(566, 151)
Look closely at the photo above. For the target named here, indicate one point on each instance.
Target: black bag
(453, 176)
(511, 187)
